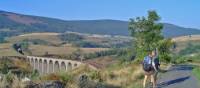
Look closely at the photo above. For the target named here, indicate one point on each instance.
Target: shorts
(149, 73)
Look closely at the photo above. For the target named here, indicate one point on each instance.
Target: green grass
(196, 72)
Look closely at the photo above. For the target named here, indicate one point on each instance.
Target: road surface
(178, 76)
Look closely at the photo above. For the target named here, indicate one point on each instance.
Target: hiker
(157, 64)
(149, 69)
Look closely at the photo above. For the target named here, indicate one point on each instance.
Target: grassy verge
(196, 72)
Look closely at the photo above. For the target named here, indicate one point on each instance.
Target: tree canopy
(147, 34)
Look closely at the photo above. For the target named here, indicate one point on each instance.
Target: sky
(184, 13)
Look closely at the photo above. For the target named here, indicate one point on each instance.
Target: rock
(32, 85)
(49, 84)
(53, 84)
(26, 79)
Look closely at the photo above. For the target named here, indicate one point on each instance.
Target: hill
(15, 24)
(187, 38)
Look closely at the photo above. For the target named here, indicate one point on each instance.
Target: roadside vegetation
(196, 72)
(12, 71)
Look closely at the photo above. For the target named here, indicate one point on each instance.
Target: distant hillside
(171, 30)
(14, 24)
(187, 38)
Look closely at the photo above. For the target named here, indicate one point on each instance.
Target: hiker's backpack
(147, 64)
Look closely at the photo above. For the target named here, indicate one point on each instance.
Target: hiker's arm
(154, 66)
(157, 52)
(157, 56)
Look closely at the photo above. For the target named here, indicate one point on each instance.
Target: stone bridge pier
(52, 65)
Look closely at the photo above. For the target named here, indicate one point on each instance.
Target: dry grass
(16, 83)
(23, 65)
(186, 38)
(49, 37)
(7, 50)
(126, 75)
(122, 76)
(102, 62)
(183, 41)
(38, 50)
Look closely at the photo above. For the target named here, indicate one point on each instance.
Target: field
(187, 38)
(38, 50)
(54, 45)
(63, 50)
(6, 50)
(183, 41)
(49, 37)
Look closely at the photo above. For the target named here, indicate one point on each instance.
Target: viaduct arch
(51, 65)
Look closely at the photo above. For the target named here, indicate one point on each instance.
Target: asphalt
(178, 76)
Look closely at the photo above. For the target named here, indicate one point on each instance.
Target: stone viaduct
(52, 65)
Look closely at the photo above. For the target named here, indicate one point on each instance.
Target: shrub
(165, 57)
(65, 77)
(95, 75)
(4, 66)
(9, 77)
(34, 74)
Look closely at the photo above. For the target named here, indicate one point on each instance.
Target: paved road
(179, 76)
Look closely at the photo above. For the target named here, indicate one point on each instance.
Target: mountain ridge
(27, 23)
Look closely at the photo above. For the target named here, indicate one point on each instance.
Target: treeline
(87, 44)
(70, 37)
(3, 35)
(118, 52)
(78, 41)
(79, 55)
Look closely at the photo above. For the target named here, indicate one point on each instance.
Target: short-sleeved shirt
(156, 62)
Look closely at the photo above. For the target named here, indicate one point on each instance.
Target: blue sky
(180, 12)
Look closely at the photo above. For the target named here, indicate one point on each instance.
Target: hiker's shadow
(178, 80)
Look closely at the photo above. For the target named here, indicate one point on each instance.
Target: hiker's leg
(154, 80)
(145, 80)
(156, 76)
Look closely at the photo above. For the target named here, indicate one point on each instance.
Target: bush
(65, 78)
(4, 66)
(187, 58)
(35, 74)
(180, 60)
(190, 49)
(9, 77)
(165, 57)
(95, 75)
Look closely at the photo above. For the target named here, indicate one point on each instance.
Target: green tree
(165, 48)
(147, 33)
